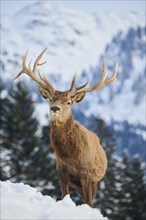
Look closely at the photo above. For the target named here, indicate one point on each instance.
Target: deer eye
(69, 102)
(50, 100)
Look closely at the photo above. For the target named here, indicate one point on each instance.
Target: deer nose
(55, 109)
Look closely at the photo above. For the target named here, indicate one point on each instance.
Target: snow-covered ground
(19, 201)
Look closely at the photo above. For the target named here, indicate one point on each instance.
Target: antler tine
(23, 65)
(17, 75)
(113, 78)
(73, 81)
(29, 66)
(72, 89)
(37, 60)
(43, 78)
(32, 73)
(24, 60)
(102, 82)
(103, 70)
(83, 86)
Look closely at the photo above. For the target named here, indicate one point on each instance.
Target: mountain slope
(77, 39)
(124, 99)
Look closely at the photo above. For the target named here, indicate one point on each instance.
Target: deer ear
(78, 97)
(44, 93)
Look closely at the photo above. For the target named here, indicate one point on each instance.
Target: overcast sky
(89, 6)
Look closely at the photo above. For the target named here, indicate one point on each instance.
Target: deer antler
(99, 85)
(32, 73)
(72, 89)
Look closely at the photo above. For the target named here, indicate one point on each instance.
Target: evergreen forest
(26, 156)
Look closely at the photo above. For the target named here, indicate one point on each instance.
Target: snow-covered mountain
(125, 99)
(75, 39)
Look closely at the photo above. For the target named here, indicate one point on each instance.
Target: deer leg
(94, 187)
(64, 181)
(87, 190)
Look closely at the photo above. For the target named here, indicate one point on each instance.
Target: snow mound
(19, 201)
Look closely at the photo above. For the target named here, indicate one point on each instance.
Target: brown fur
(81, 161)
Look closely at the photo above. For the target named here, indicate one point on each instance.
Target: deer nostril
(55, 109)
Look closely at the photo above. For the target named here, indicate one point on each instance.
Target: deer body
(81, 160)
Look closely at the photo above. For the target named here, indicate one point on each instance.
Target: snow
(42, 113)
(70, 42)
(19, 201)
(75, 39)
(4, 94)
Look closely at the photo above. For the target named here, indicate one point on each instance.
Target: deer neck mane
(62, 126)
(63, 139)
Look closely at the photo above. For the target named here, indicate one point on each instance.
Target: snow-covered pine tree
(19, 138)
(105, 197)
(49, 174)
(132, 192)
(125, 199)
(3, 151)
(121, 194)
(26, 155)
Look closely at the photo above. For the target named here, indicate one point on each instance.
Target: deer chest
(65, 147)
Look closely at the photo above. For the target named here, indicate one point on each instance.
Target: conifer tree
(19, 134)
(51, 185)
(2, 150)
(122, 192)
(105, 198)
(27, 156)
(132, 192)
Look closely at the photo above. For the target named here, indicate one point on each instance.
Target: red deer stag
(81, 160)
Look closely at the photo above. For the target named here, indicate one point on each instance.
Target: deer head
(61, 102)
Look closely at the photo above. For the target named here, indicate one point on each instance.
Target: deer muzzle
(55, 109)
